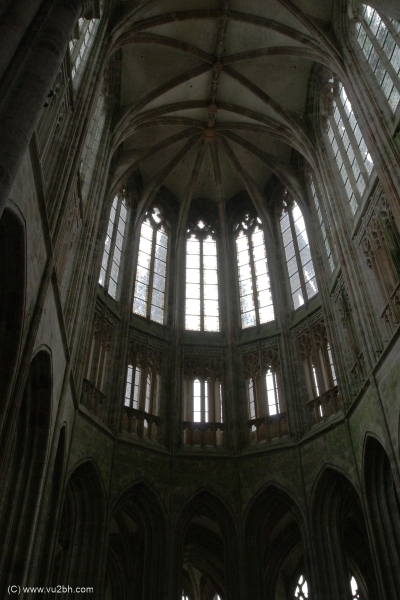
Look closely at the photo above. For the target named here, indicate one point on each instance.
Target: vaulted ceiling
(213, 92)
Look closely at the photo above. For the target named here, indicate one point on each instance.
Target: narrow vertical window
(202, 307)
(272, 393)
(197, 401)
(252, 404)
(301, 591)
(378, 39)
(256, 305)
(331, 363)
(303, 283)
(355, 594)
(149, 295)
(322, 225)
(132, 386)
(79, 46)
(112, 254)
(349, 148)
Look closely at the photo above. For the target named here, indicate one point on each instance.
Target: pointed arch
(341, 536)
(383, 507)
(12, 299)
(275, 547)
(136, 560)
(205, 537)
(78, 551)
(26, 469)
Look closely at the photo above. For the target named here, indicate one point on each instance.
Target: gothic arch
(12, 299)
(26, 469)
(136, 565)
(274, 542)
(205, 539)
(341, 537)
(383, 507)
(78, 551)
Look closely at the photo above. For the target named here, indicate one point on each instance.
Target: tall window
(207, 401)
(379, 39)
(349, 148)
(149, 296)
(202, 308)
(303, 283)
(79, 46)
(355, 594)
(256, 304)
(112, 254)
(322, 225)
(301, 591)
(143, 379)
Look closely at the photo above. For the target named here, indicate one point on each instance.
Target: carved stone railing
(391, 311)
(141, 423)
(326, 405)
(94, 400)
(268, 428)
(205, 435)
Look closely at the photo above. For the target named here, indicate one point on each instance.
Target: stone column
(22, 104)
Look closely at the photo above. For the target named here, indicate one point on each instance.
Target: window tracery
(303, 283)
(256, 305)
(202, 306)
(349, 148)
(202, 395)
(378, 38)
(142, 390)
(151, 270)
(301, 591)
(113, 245)
(79, 46)
(322, 225)
(316, 355)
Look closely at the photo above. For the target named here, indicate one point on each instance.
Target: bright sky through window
(256, 304)
(377, 36)
(202, 308)
(303, 283)
(149, 296)
(111, 261)
(301, 591)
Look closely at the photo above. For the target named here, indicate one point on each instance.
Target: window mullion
(353, 142)
(253, 278)
(392, 30)
(201, 286)
(382, 55)
(112, 244)
(346, 161)
(151, 275)
(298, 257)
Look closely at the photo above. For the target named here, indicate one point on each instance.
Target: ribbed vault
(213, 97)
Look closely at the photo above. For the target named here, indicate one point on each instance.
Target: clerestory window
(256, 305)
(202, 306)
(349, 148)
(379, 39)
(151, 270)
(322, 225)
(303, 283)
(113, 245)
(79, 46)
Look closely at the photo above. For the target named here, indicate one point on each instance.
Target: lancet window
(202, 388)
(264, 385)
(327, 244)
(303, 283)
(349, 148)
(301, 591)
(379, 39)
(151, 270)
(202, 306)
(355, 594)
(143, 378)
(79, 46)
(113, 245)
(316, 355)
(256, 305)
